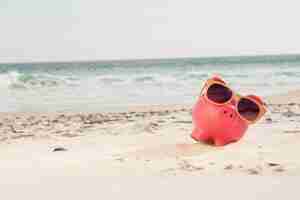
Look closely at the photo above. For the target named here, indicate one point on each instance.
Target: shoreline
(288, 98)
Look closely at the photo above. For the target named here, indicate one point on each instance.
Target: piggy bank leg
(222, 141)
(199, 135)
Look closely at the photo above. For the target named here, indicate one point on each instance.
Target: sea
(98, 86)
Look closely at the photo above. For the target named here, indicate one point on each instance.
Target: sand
(151, 141)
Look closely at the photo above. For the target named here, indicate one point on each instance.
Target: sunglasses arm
(203, 88)
(207, 83)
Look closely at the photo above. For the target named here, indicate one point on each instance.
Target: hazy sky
(36, 30)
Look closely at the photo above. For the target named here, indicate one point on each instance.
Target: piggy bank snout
(228, 112)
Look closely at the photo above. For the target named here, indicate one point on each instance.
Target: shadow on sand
(172, 150)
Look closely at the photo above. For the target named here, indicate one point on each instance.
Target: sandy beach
(115, 155)
(152, 140)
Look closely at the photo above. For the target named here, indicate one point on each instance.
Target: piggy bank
(220, 123)
(217, 124)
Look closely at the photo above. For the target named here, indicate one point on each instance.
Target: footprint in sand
(22, 136)
(253, 171)
(149, 127)
(186, 166)
(70, 135)
(279, 169)
(276, 167)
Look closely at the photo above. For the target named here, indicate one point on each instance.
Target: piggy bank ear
(217, 78)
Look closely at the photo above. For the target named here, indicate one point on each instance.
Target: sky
(61, 30)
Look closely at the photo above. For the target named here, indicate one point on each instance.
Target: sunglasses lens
(248, 109)
(219, 93)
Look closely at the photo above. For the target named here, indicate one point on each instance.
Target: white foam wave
(18, 80)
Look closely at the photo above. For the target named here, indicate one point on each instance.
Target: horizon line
(157, 58)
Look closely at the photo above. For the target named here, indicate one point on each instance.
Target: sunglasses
(250, 108)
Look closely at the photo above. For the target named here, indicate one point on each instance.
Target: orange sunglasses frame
(236, 97)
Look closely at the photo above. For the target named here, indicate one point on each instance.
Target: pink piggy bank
(220, 116)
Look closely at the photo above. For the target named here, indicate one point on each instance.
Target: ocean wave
(287, 73)
(10, 79)
(136, 79)
(144, 79)
(18, 80)
(110, 79)
(195, 75)
(233, 75)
